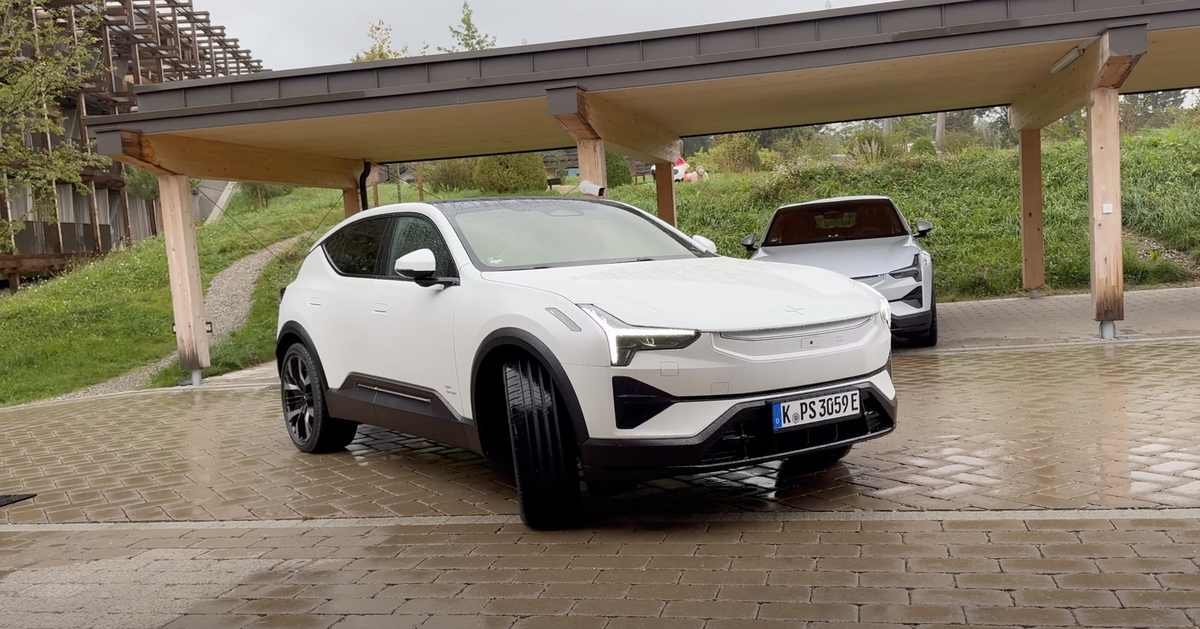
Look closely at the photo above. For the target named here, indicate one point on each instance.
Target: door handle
(379, 308)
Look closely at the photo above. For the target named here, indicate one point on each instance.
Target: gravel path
(227, 304)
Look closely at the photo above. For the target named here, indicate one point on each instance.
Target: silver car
(865, 238)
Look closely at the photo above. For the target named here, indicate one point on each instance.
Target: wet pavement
(1054, 485)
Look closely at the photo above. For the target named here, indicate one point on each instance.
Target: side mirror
(923, 228)
(750, 243)
(418, 265)
(705, 243)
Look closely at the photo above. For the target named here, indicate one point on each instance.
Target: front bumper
(918, 322)
(741, 436)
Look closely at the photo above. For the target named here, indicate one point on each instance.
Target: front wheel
(304, 410)
(544, 459)
(928, 338)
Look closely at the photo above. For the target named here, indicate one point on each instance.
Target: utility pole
(887, 126)
(940, 135)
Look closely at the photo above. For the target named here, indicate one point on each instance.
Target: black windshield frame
(899, 229)
(455, 208)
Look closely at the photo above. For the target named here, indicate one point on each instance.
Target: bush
(769, 159)
(924, 146)
(618, 169)
(140, 184)
(449, 175)
(870, 144)
(261, 193)
(957, 142)
(518, 172)
(737, 152)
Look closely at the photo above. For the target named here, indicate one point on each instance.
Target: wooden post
(1033, 243)
(592, 166)
(939, 135)
(1104, 194)
(420, 183)
(375, 191)
(126, 224)
(351, 202)
(887, 126)
(664, 184)
(14, 282)
(183, 263)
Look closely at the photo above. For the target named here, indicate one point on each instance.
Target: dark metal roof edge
(809, 16)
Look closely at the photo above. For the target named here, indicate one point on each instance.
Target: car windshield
(841, 220)
(509, 234)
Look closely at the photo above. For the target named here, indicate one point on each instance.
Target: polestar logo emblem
(795, 310)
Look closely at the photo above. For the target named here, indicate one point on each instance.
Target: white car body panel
(821, 328)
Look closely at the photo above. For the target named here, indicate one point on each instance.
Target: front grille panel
(751, 434)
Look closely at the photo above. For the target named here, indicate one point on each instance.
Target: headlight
(625, 340)
(913, 271)
(885, 312)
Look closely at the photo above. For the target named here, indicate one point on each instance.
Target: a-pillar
(664, 184)
(592, 165)
(183, 264)
(1104, 201)
(1033, 243)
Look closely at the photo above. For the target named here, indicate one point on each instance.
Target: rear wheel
(307, 417)
(544, 459)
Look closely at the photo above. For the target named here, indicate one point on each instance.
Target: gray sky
(299, 33)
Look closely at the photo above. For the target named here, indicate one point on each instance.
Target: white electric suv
(557, 335)
(866, 238)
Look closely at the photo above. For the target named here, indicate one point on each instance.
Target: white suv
(558, 335)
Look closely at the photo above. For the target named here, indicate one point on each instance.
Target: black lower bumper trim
(912, 323)
(744, 435)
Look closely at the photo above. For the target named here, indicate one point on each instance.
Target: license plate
(815, 409)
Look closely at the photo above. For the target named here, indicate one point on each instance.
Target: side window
(414, 233)
(355, 249)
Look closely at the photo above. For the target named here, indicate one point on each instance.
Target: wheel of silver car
(305, 413)
(544, 458)
(928, 338)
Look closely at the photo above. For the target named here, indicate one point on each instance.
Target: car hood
(852, 258)
(708, 294)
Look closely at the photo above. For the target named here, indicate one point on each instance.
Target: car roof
(865, 197)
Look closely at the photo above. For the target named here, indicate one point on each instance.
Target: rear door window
(354, 250)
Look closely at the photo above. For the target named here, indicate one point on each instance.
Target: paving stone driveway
(1089, 427)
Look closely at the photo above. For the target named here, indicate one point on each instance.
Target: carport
(325, 127)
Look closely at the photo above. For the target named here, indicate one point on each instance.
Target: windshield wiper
(637, 260)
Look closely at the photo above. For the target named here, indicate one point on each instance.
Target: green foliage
(769, 159)
(924, 146)
(450, 174)
(114, 315)
(869, 144)
(260, 194)
(957, 142)
(43, 63)
(141, 184)
(503, 174)
(7, 230)
(380, 34)
(1154, 110)
(736, 153)
(467, 36)
(618, 169)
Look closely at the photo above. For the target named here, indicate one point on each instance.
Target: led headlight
(625, 340)
(913, 271)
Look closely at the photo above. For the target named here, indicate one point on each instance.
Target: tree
(381, 45)
(468, 37)
(42, 64)
(1154, 110)
(617, 168)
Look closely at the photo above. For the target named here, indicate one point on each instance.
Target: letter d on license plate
(815, 409)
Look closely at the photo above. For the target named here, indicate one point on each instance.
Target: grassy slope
(115, 315)
(974, 199)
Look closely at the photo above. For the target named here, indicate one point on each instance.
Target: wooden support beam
(14, 282)
(664, 184)
(592, 165)
(589, 117)
(351, 201)
(166, 154)
(183, 265)
(1104, 182)
(1033, 243)
(1106, 63)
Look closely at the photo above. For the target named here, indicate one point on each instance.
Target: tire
(305, 414)
(928, 338)
(814, 462)
(544, 458)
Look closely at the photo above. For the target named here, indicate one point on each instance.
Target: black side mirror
(749, 243)
(923, 228)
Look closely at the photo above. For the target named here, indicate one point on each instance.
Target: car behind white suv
(557, 335)
(866, 238)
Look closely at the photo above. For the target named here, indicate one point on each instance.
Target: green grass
(974, 199)
(114, 315)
